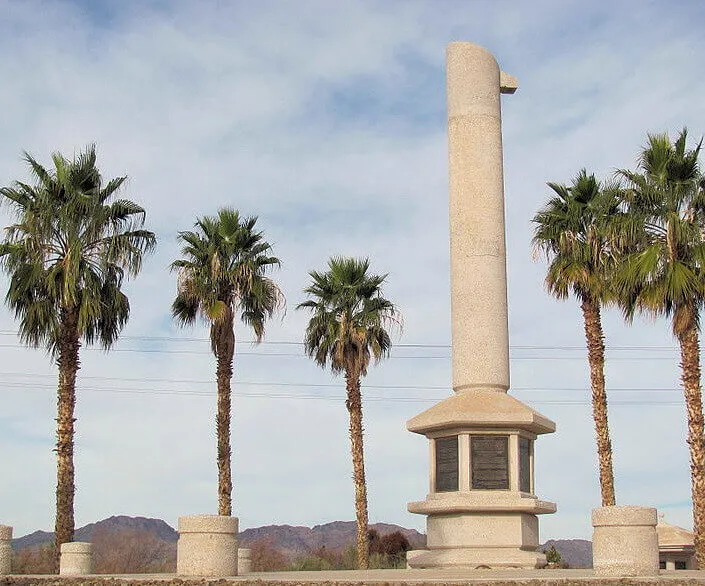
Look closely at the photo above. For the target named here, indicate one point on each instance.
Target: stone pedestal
(5, 550)
(481, 509)
(244, 561)
(207, 546)
(483, 540)
(76, 559)
(624, 541)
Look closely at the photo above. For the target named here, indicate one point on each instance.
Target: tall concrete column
(477, 514)
(477, 245)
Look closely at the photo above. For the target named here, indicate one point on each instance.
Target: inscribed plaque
(446, 463)
(524, 465)
(490, 462)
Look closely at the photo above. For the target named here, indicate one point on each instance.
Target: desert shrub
(310, 563)
(388, 551)
(265, 557)
(349, 558)
(553, 556)
(131, 551)
(39, 559)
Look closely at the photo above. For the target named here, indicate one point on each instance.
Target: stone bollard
(624, 541)
(411, 555)
(5, 549)
(76, 559)
(207, 546)
(244, 560)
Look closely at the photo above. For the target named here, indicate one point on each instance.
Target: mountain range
(290, 540)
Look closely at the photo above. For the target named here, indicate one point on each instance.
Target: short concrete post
(76, 559)
(244, 560)
(624, 541)
(411, 555)
(207, 546)
(5, 549)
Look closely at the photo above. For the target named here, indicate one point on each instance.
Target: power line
(236, 383)
(400, 345)
(391, 357)
(340, 398)
(263, 342)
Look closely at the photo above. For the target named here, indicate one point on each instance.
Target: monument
(481, 508)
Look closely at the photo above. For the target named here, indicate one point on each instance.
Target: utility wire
(391, 357)
(338, 398)
(316, 385)
(400, 345)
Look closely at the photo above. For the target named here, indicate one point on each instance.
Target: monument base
(475, 558)
(482, 539)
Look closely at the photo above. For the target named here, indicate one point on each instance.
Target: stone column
(207, 546)
(75, 559)
(485, 523)
(624, 541)
(477, 245)
(5, 549)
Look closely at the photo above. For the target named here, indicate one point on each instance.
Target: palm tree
(571, 231)
(347, 330)
(223, 272)
(665, 275)
(66, 256)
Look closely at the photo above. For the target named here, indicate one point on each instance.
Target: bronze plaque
(446, 463)
(524, 465)
(490, 462)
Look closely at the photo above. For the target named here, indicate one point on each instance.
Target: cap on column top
(478, 409)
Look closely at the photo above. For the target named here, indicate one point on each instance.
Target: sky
(327, 120)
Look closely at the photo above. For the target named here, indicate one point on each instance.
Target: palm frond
(349, 317)
(69, 250)
(223, 271)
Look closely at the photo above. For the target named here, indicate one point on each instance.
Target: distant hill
(338, 535)
(113, 524)
(577, 553)
(291, 541)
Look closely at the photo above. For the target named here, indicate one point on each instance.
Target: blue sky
(328, 122)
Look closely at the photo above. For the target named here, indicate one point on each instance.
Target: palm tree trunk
(68, 364)
(596, 358)
(690, 365)
(225, 348)
(354, 405)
